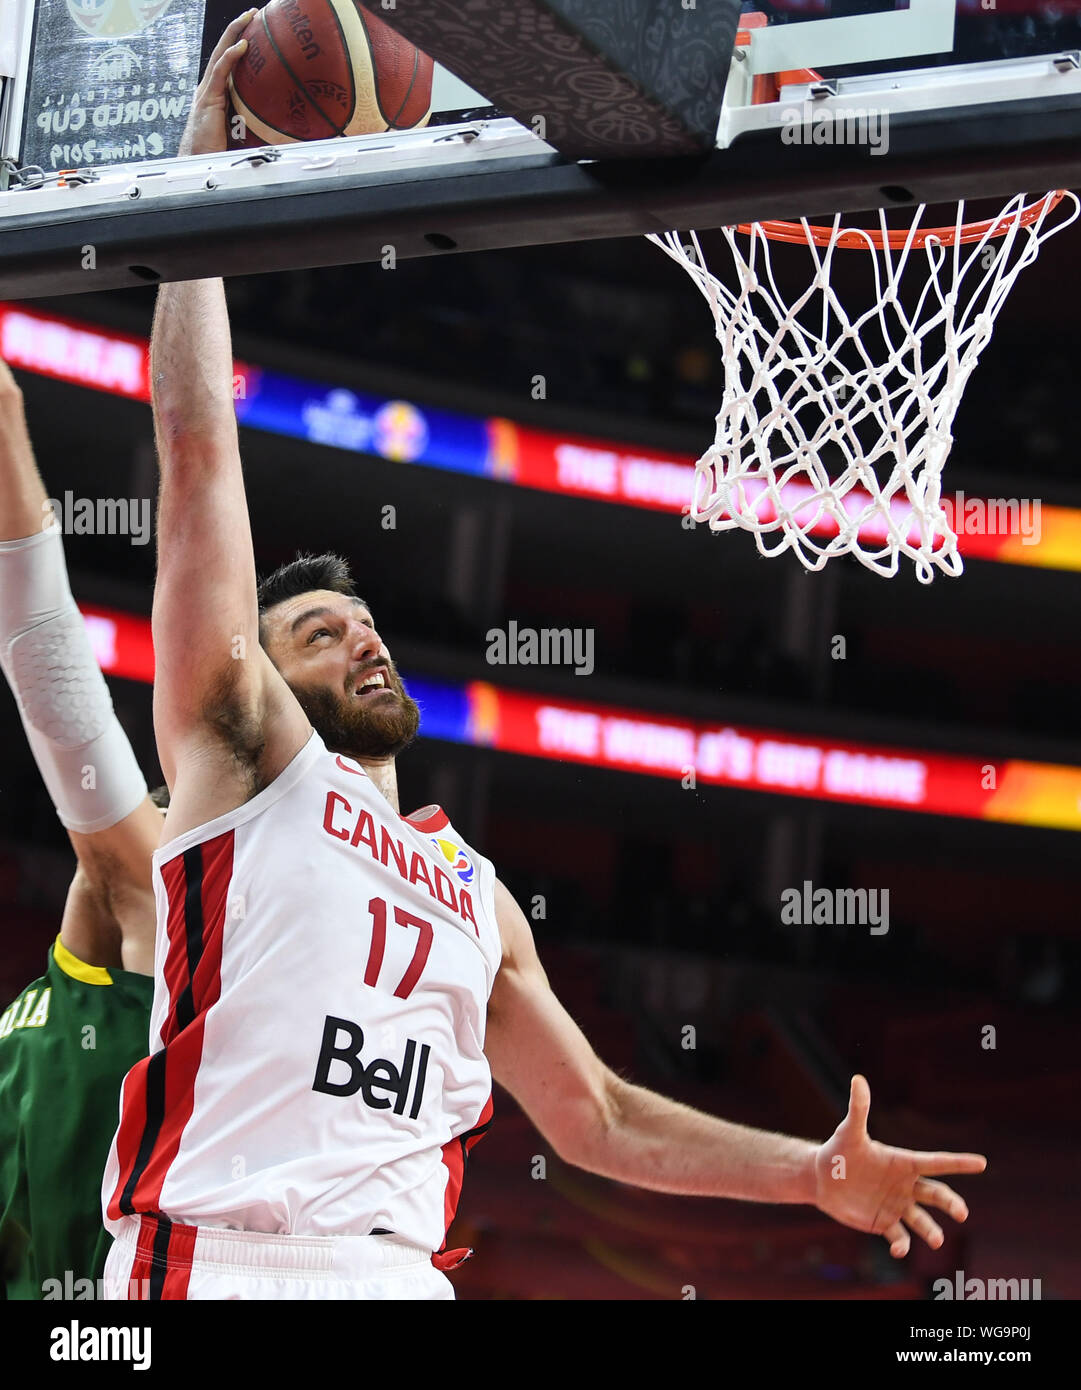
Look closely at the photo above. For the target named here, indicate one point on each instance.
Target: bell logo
(378, 1076)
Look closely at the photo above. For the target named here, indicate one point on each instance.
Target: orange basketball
(317, 68)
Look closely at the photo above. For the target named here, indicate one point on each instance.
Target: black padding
(606, 78)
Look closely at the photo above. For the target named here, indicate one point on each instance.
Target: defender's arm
(82, 752)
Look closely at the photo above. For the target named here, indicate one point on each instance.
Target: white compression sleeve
(83, 753)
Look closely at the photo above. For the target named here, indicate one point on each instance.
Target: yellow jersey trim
(78, 969)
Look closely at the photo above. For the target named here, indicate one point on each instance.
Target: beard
(347, 724)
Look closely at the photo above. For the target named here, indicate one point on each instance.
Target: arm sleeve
(80, 748)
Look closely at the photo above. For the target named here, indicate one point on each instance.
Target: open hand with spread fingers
(884, 1191)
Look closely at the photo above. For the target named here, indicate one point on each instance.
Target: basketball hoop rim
(867, 239)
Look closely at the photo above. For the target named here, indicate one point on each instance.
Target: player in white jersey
(335, 984)
(359, 989)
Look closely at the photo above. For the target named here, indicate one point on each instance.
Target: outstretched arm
(82, 752)
(599, 1122)
(224, 719)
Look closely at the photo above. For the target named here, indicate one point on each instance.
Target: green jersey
(66, 1045)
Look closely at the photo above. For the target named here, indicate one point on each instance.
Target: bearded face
(372, 717)
(325, 646)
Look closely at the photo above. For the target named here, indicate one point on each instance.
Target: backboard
(988, 73)
(830, 105)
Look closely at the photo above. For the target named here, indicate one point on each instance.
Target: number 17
(378, 908)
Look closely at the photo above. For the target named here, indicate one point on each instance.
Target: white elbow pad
(82, 752)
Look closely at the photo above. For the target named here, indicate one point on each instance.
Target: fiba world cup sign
(111, 81)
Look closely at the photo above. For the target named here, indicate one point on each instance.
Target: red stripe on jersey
(142, 1264)
(436, 819)
(217, 875)
(145, 1156)
(454, 1159)
(477, 1133)
(130, 1132)
(185, 1049)
(176, 955)
(455, 1154)
(181, 1252)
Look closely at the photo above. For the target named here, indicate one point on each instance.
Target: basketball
(318, 68)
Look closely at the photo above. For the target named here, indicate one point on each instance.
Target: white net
(836, 422)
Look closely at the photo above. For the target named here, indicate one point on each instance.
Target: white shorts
(153, 1258)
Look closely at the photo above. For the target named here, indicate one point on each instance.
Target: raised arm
(597, 1121)
(83, 754)
(224, 719)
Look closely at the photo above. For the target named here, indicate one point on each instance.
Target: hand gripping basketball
(205, 132)
(872, 1187)
(317, 69)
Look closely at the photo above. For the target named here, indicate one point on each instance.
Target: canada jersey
(322, 973)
